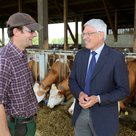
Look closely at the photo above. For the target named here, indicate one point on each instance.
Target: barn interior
(120, 17)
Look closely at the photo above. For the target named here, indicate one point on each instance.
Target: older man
(98, 80)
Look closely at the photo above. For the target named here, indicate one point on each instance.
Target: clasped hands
(86, 101)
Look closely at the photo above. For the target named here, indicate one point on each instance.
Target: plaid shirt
(16, 83)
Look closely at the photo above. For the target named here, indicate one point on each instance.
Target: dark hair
(10, 30)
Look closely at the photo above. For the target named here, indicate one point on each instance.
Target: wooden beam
(109, 18)
(76, 32)
(116, 26)
(15, 4)
(65, 25)
(58, 7)
(134, 45)
(43, 20)
(74, 2)
(71, 34)
(20, 5)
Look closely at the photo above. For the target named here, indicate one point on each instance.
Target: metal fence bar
(42, 66)
(43, 55)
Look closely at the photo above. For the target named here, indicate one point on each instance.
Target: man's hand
(89, 101)
(82, 98)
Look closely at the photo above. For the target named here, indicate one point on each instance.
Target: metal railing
(42, 56)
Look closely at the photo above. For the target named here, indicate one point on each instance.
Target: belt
(21, 120)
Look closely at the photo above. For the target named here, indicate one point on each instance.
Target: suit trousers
(84, 125)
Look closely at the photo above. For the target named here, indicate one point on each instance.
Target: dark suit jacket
(109, 80)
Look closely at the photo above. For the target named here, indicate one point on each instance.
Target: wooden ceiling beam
(110, 20)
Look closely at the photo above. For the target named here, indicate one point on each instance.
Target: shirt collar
(17, 51)
(98, 50)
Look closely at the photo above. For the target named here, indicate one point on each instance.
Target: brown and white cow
(59, 94)
(54, 98)
(55, 75)
(131, 64)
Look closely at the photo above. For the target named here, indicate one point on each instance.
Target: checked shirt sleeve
(5, 78)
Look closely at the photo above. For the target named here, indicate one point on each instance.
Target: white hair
(99, 25)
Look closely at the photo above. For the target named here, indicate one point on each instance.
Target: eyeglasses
(28, 30)
(89, 34)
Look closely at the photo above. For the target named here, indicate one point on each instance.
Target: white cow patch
(71, 108)
(54, 98)
(36, 90)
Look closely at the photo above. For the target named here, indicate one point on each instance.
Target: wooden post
(76, 32)
(43, 20)
(116, 27)
(134, 45)
(65, 25)
(20, 5)
(109, 18)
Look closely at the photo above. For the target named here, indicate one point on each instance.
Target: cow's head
(55, 97)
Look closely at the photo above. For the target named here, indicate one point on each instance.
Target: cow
(55, 75)
(132, 80)
(131, 64)
(54, 98)
(59, 94)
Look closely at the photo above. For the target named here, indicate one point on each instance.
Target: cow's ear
(60, 92)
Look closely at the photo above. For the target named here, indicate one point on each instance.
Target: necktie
(89, 73)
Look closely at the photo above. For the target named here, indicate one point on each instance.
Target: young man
(98, 80)
(18, 104)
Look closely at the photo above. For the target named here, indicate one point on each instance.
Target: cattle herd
(54, 89)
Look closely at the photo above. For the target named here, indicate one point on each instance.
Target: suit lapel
(101, 61)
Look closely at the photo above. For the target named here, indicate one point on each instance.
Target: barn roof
(82, 9)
